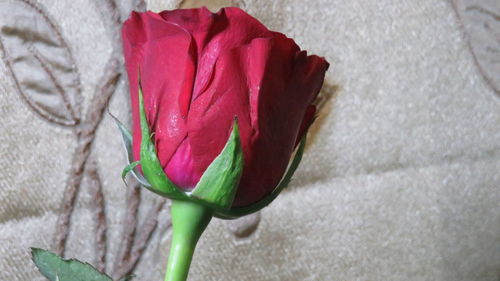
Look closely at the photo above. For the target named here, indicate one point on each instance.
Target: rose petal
(216, 33)
(165, 55)
(180, 168)
(268, 85)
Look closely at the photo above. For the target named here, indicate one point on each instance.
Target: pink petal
(180, 168)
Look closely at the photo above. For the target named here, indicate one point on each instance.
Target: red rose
(198, 71)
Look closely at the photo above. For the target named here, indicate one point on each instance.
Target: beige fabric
(400, 181)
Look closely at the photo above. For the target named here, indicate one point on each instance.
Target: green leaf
(56, 268)
(127, 278)
(151, 167)
(243, 211)
(219, 183)
(127, 142)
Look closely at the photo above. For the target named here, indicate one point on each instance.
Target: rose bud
(199, 72)
(219, 104)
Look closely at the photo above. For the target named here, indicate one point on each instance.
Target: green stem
(189, 220)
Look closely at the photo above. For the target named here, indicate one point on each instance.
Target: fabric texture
(400, 179)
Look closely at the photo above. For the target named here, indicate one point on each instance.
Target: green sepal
(56, 268)
(237, 212)
(129, 168)
(127, 143)
(150, 164)
(219, 182)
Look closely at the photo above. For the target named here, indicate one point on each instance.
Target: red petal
(309, 77)
(216, 33)
(164, 53)
(268, 84)
(307, 121)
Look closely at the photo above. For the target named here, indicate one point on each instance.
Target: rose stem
(189, 220)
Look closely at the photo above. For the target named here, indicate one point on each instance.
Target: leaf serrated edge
(35, 250)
